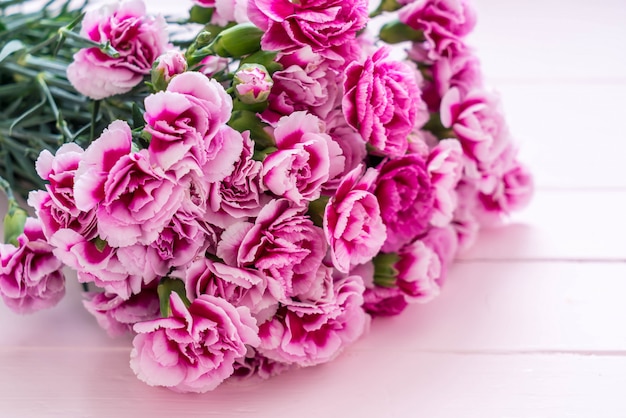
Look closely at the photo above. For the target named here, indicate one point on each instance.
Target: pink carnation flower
(56, 207)
(306, 159)
(194, 349)
(406, 198)
(381, 101)
(139, 40)
(226, 11)
(310, 333)
(283, 243)
(322, 24)
(117, 316)
(445, 166)
(353, 225)
(187, 120)
(30, 275)
(444, 23)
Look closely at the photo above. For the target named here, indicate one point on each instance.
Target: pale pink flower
(116, 315)
(444, 165)
(406, 198)
(30, 275)
(308, 81)
(184, 120)
(169, 65)
(306, 158)
(194, 349)
(310, 333)
(226, 11)
(444, 23)
(353, 225)
(56, 207)
(325, 25)
(240, 194)
(381, 101)
(282, 243)
(139, 39)
(139, 201)
(239, 286)
(419, 270)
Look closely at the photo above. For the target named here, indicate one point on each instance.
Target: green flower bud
(385, 272)
(237, 41)
(396, 32)
(14, 222)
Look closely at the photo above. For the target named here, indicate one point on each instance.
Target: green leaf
(10, 48)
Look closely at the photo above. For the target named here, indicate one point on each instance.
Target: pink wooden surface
(530, 323)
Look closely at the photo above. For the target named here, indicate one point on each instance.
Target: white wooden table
(532, 322)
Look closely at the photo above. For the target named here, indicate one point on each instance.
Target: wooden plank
(364, 383)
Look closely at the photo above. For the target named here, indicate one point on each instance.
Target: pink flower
(444, 23)
(239, 286)
(419, 270)
(255, 364)
(139, 40)
(307, 82)
(406, 198)
(169, 65)
(381, 101)
(478, 123)
(310, 333)
(306, 159)
(182, 240)
(384, 301)
(353, 225)
(184, 120)
(139, 202)
(30, 275)
(56, 207)
(323, 24)
(117, 316)
(512, 192)
(445, 165)
(226, 11)
(252, 83)
(239, 195)
(283, 244)
(194, 349)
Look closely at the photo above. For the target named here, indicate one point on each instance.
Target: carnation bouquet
(244, 189)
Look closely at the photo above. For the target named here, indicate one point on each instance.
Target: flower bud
(385, 271)
(237, 41)
(396, 32)
(252, 83)
(166, 67)
(14, 222)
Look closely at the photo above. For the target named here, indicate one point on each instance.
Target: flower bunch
(262, 190)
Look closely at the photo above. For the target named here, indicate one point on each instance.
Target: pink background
(530, 323)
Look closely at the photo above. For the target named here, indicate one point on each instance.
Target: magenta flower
(384, 301)
(138, 38)
(444, 24)
(478, 122)
(322, 24)
(194, 349)
(310, 333)
(283, 243)
(406, 198)
(30, 275)
(306, 159)
(117, 316)
(353, 225)
(419, 270)
(381, 101)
